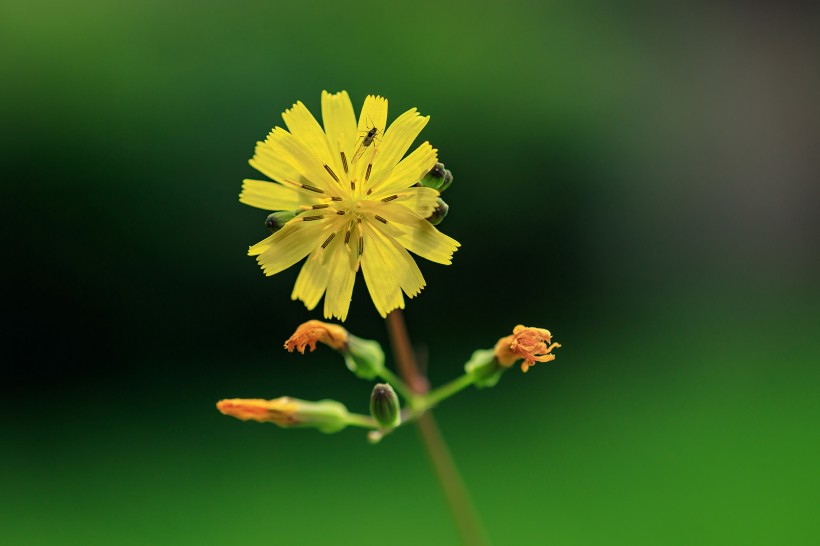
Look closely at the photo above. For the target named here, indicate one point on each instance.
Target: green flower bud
(364, 357)
(484, 367)
(438, 178)
(384, 406)
(277, 220)
(439, 213)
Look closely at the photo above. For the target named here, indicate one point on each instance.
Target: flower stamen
(312, 188)
(331, 173)
(329, 238)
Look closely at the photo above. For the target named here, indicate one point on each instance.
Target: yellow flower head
(316, 331)
(530, 344)
(354, 201)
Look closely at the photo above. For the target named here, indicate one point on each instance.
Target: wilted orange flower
(528, 343)
(281, 411)
(316, 331)
(326, 415)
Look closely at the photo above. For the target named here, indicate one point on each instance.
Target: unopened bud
(325, 415)
(438, 178)
(277, 220)
(384, 406)
(439, 212)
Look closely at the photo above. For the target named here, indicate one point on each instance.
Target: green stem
(467, 522)
(445, 391)
(359, 420)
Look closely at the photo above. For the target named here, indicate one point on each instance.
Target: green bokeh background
(643, 181)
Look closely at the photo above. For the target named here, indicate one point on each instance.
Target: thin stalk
(399, 385)
(359, 420)
(467, 522)
(447, 390)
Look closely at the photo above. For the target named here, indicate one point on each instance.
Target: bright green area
(640, 182)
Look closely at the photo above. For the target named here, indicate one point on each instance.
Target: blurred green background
(643, 181)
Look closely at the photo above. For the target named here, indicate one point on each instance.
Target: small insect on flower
(371, 135)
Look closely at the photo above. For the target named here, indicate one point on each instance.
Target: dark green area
(640, 182)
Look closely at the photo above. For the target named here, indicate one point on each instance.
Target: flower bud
(277, 220)
(438, 178)
(384, 406)
(325, 415)
(439, 212)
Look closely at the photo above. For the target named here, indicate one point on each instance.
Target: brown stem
(469, 527)
(404, 355)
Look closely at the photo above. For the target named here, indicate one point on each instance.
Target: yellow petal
(391, 212)
(410, 170)
(272, 196)
(374, 114)
(423, 239)
(397, 140)
(340, 124)
(302, 159)
(267, 162)
(342, 279)
(304, 127)
(419, 199)
(380, 278)
(399, 261)
(312, 280)
(290, 244)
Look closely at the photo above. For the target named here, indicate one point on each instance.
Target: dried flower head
(281, 411)
(325, 415)
(353, 201)
(316, 331)
(530, 344)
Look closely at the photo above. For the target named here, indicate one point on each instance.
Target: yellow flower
(354, 201)
(530, 344)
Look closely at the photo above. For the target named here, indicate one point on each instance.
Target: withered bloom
(316, 331)
(530, 344)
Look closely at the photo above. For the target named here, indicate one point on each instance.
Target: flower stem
(399, 385)
(447, 390)
(467, 522)
(359, 420)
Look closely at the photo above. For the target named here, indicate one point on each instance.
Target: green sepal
(484, 368)
(364, 357)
